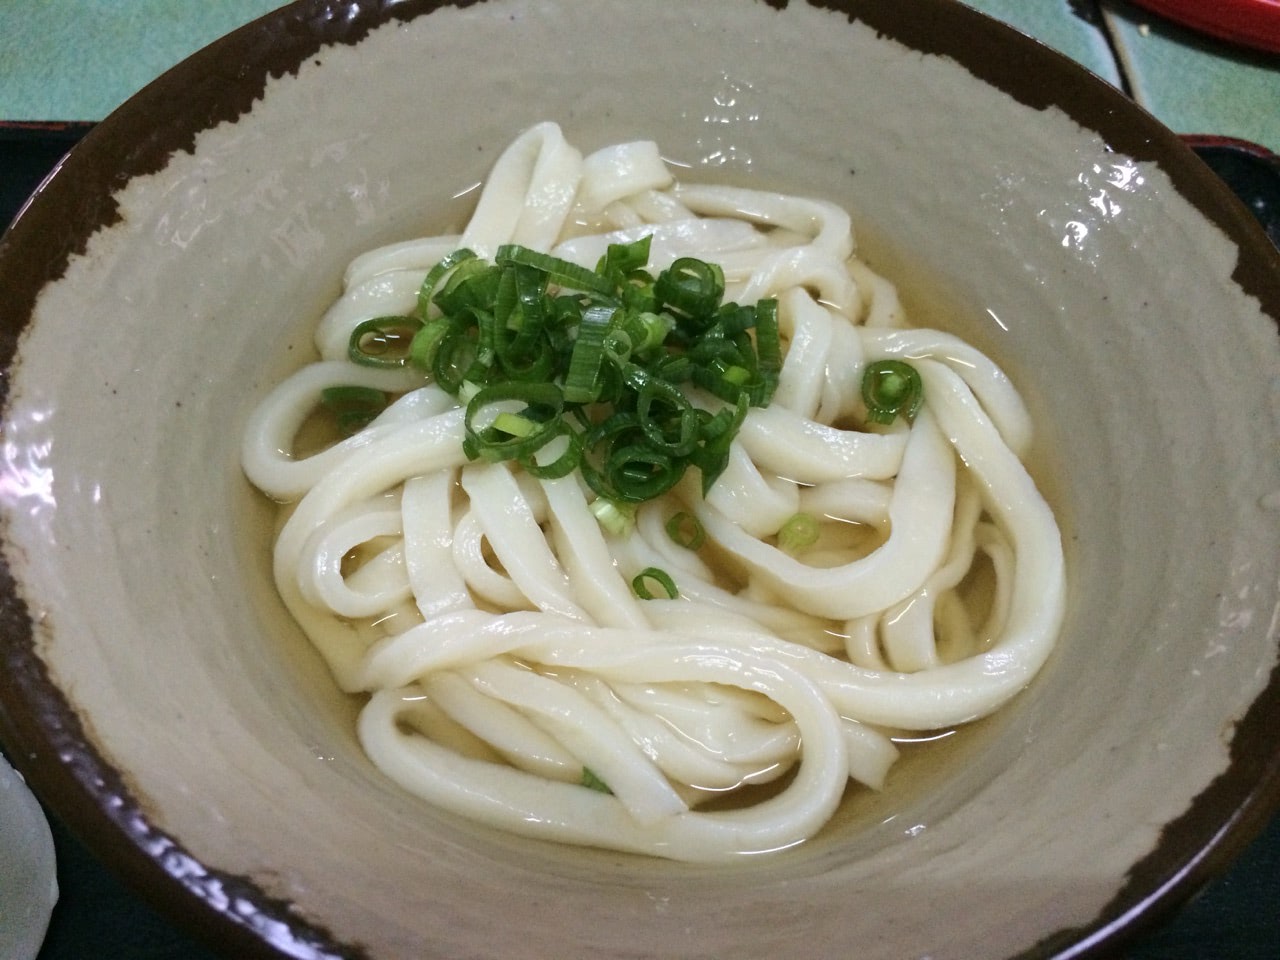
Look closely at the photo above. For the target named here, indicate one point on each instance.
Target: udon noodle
(514, 677)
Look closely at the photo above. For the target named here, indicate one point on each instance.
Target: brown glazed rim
(40, 729)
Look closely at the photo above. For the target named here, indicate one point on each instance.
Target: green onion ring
(891, 388)
(383, 341)
(686, 530)
(640, 583)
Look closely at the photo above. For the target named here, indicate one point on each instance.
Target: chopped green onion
(453, 359)
(425, 343)
(622, 259)
(674, 369)
(593, 782)
(617, 346)
(536, 426)
(436, 275)
(563, 272)
(713, 456)
(383, 341)
(563, 463)
(514, 425)
(637, 472)
(668, 420)
(581, 384)
(692, 287)
(353, 407)
(800, 531)
(891, 388)
(640, 584)
(565, 368)
(769, 350)
(653, 329)
(616, 518)
(472, 283)
(686, 530)
(527, 318)
(537, 364)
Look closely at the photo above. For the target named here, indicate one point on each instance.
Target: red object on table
(1254, 23)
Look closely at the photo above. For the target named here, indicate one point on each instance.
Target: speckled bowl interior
(158, 698)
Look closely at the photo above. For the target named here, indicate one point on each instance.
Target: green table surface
(79, 59)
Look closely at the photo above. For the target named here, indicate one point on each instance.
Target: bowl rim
(42, 732)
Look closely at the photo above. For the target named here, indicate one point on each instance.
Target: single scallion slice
(768, 350)
(636, 472)
(617, 346)
(436, 275)
(650, 330)
(529, 430)
(657, 576)
(593, 782)
(800, 531)
(581, 382)
(422, 349)
(713, 456)
(621, 261)
(692, 287)
(453, 359)
(551, 461)
(686, 530)
(514, 425)
(891, 388)
(563, 272)
(537, 363)
(668, 419)
(472, 283)
(383, 341)
(616, 518)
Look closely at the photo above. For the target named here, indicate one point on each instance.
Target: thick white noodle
(529, 194)
(489, 618)
(620, 171)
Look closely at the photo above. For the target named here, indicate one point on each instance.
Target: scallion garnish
(616, 518)
(800, 531)
(494, 432)
(591, 781)
(559, 464)
(383, 341)
(561, 272)
(436, 275)
(582, 381)
(891, 388)
(640, 583)
(691, 288)
(686, 530)
(540, 349)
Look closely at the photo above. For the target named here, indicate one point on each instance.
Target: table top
(76, 60)
(79, 59)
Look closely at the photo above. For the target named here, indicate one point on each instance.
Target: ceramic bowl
(158, 698)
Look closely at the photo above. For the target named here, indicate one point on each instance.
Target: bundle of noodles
(513, 674)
